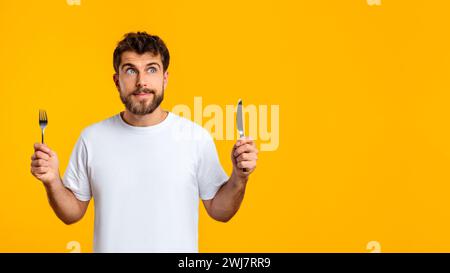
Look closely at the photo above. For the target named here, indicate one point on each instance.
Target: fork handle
(42, 136)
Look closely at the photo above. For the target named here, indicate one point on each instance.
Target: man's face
(141, 82)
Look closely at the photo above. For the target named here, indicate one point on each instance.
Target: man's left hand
(244, 156)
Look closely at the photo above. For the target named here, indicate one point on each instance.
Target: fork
(43, 121)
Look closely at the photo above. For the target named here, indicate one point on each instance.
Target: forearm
(229, 198)
(63, 202)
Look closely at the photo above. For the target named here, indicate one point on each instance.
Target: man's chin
(141, 111)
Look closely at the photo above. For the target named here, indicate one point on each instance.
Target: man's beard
(141, 106)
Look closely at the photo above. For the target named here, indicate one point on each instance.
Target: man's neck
(144, 120)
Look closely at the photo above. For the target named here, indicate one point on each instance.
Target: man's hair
(141, 42)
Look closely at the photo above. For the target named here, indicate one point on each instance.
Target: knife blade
(239, 119)
(240, 122)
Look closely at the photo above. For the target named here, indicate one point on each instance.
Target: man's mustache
(143, 90)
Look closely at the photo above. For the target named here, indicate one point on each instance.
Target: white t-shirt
(146, 182)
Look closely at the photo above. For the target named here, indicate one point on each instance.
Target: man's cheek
(125, 81)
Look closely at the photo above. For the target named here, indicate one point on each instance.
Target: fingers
(244, 140)
(39, 170)
(39, 160)
(40, 155)
(246, 160)
(249, 165)
(245, 148)
(246, 157)
(246, 154)
(39, 163)
(43, 148)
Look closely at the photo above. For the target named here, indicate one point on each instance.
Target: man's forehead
(139, 59)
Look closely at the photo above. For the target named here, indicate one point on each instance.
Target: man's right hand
(45, 164)
(45, 167)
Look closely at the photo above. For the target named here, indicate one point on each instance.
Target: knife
(240, 122)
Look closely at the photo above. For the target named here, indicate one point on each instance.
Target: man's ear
(116, 81)
(166, 79)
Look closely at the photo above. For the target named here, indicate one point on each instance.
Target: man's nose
(141, 81)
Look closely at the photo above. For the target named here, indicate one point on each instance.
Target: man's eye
(152, 70)
(130, 71)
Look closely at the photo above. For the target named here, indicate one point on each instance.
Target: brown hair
(141, 42)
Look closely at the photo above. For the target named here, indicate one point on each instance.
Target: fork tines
(42, 116)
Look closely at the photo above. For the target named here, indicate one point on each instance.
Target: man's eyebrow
(149, 64)
(128, 64)
(152, 63)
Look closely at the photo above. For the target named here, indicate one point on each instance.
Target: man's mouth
(141, 95)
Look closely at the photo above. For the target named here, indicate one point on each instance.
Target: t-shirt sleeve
(210, 174)
(76, 175)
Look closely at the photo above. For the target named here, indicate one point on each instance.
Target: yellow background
(364, 114)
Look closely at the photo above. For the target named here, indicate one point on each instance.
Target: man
(145, 167)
